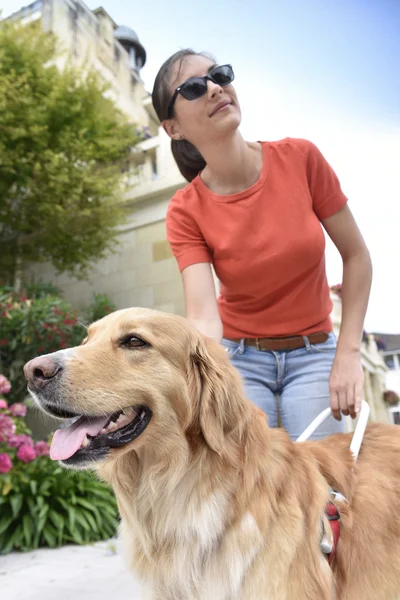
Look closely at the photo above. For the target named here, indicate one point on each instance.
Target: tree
(62, 144)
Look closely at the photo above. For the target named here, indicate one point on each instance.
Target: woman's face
(208, 118)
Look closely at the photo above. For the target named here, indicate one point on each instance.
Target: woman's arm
(346, 381)
(200, 299)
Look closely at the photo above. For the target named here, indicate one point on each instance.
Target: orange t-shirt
(266, 243)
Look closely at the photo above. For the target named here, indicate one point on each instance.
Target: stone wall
(142, 272)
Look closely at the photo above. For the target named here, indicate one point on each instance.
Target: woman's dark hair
(189, 160)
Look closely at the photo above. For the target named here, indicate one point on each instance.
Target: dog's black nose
(40, 371)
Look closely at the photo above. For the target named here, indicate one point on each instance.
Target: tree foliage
(62, 144)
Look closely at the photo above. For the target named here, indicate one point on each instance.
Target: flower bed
(39, 323)
(41, 503)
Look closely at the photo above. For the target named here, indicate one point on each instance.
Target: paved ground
(94, 572)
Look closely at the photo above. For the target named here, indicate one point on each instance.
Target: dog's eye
(132, 341)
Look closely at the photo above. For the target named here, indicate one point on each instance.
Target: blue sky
(344, 52)
(325, 70)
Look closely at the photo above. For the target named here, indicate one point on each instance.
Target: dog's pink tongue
(68, 441)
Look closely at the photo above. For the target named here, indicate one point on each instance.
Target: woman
(254, 211)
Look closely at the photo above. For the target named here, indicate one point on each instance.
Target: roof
(390, 340)
(101, 11)
(126, 35)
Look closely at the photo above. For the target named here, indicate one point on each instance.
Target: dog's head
(139, 378)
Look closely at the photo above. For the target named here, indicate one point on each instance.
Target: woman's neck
(233, 165)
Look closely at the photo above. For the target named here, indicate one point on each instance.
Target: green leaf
(81, 520)
(33, 508)
(86, 504)
(63, 503)
(39, 526)
(90, 520)
(45, 486)
(5, 522)
(49, 536)
(57, 519)
(16, 504)
(28, 529)
(100, 491)
(7, 488)
(13, 541)
(33, 486)
(43, 511)
(71, 517)
(76, 536)
(107, 508)
(111, 520)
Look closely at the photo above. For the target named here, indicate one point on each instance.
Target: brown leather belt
(283, 343)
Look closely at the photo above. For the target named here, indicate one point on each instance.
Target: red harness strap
(333, 516)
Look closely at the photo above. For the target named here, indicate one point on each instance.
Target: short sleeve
(185, 238)
(326, 193)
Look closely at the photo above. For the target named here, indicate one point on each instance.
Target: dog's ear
(219, 392)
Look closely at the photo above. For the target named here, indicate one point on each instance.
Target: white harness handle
(358, 433)
(327, 542)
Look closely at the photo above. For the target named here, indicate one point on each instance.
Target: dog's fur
(214, 504)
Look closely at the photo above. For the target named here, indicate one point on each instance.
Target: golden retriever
(215, 505)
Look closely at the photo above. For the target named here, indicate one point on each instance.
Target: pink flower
(26, 440)
(5, 385)
(14, 441)
(26, 453)
(3, 403)
(7, 427)
(5, 463)
(42, 449)
(18, 410)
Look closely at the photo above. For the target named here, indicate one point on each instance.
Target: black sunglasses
(196, 87)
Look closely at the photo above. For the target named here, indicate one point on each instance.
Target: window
(393, 361)
(394, 412)
(389, 360)
(132, 57)
(154, 169)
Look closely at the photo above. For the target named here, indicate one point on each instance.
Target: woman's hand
(346, 384)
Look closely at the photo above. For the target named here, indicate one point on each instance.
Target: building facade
(390, 347)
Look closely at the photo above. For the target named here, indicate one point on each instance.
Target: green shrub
(37, 325)
(51, 506)
(100, 306)
(39, 289)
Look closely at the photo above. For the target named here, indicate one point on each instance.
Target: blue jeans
(291, 387)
